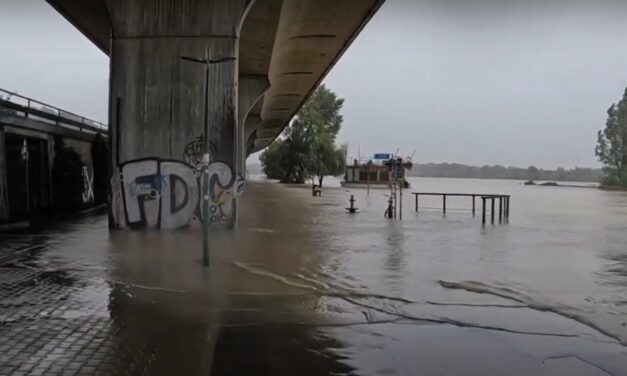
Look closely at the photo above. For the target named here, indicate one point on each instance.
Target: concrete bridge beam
(251, 90)
(157, 103)
(250, 128)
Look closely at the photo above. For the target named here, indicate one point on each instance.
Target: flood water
(302, 287)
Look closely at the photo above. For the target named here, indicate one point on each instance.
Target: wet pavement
(300, 287)
(54, 315)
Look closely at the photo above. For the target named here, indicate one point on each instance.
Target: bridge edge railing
(37, 110)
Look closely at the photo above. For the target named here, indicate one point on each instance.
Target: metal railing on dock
(504, 201)
(32, 108)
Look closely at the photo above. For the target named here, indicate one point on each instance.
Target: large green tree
(611, 147)
(272, 160)
(307, 146)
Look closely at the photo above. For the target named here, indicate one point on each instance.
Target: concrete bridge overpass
(269, 56)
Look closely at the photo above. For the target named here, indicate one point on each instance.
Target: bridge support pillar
(158, 102)
(251, 90)
(250, 126)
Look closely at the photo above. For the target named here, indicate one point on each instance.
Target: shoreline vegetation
(611, 149)
(256, 169)
(612, 188)
(462, 171)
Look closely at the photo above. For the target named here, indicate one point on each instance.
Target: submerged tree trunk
(320, 177)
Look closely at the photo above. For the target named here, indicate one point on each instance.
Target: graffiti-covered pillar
(164, 53)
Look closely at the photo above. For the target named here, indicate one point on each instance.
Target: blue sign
(382, 156)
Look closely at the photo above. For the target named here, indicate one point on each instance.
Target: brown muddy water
(303, 288)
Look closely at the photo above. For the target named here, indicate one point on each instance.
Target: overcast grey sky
(475, 81)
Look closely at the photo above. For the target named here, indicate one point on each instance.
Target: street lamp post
(206, 158)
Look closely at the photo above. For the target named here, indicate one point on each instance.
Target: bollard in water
(352, 209)
(389, 212)
(316, 190)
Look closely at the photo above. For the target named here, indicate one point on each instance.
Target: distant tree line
(457, 170)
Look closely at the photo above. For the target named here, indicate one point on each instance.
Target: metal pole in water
(444, 203)
(492, 212)
(368, 179)
(395, 200)
(473, 205)
(416, 202)
(400, 209)
(483, 210)
(206, 159)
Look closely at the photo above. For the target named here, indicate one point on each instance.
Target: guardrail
(503, 203)
(32, 108)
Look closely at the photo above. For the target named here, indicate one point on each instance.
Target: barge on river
(374, 174)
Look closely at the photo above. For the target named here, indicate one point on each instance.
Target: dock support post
(483, 210)
(473, 205)
(444, 204)
(416, 202)
(500, 209)
(400, 206)
(492, 212)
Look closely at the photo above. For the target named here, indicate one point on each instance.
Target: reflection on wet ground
(303, 288)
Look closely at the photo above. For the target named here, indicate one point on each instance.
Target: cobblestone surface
(56, 320)
(57, 323)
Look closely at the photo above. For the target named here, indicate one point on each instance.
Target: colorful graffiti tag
(158, 193)
(223, 188)
(193, 152)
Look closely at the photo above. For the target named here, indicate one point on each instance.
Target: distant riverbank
(574, 178)
(561, 184)
(462, 171)
(612, 188)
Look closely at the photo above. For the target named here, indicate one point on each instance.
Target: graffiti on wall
(223, 188)
(158, 193)
(193, 151)
(88, 185)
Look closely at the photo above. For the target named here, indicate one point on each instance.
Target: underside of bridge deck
(265, 57)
